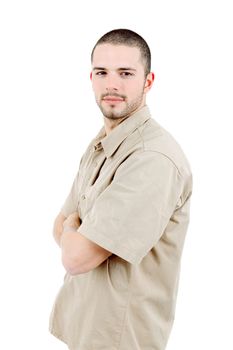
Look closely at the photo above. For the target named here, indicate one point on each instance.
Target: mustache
(113, 95)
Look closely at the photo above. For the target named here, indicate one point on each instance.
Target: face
(118, 80)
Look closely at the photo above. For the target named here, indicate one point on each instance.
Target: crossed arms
(79, 254)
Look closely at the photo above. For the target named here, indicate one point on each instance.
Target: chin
(112, 115)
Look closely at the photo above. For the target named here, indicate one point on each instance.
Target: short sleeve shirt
(132, 192)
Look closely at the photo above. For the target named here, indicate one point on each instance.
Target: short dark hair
(129, 38)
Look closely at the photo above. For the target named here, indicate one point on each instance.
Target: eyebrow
(122, 68)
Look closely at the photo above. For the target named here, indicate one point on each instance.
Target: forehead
(106, 55)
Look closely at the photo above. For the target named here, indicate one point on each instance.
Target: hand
(72, 222)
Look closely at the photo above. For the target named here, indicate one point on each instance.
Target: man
(121, 229)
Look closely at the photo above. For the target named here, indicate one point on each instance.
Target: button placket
(87, 199)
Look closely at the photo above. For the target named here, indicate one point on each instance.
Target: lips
(113, 99)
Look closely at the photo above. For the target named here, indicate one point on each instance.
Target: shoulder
(156, 139)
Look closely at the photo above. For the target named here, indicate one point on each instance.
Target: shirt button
(83, 197)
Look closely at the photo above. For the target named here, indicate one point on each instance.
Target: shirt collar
(110, 142)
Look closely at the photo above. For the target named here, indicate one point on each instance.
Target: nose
(112, 83)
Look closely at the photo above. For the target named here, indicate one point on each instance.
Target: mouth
(112, 99)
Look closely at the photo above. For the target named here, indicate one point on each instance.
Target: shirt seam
(142, 140)
(166, 156)
(148, 150)
(126, 310)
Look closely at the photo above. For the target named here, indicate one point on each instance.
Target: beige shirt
(132, 192)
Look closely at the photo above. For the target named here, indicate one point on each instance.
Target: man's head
(121, 76)
(128, 38)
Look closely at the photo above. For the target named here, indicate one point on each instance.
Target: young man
(121, 229)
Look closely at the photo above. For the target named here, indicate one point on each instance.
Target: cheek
(134, 88)
(97, 84)
(96, 87)
(98, 92)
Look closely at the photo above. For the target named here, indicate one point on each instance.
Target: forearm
(68, 238)
(58, 227)
(68, 244)
(79, 254)
(71, 251)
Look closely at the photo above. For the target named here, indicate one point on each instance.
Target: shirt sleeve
(130, 215)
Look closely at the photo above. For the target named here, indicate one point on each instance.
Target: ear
(149, 81)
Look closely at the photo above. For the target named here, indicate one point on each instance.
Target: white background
(48, 116)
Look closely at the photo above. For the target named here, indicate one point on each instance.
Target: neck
(110, 124)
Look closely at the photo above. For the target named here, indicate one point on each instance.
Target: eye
(126, 74)
(100, 73)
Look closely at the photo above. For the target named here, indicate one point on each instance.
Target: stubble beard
(112, 113)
